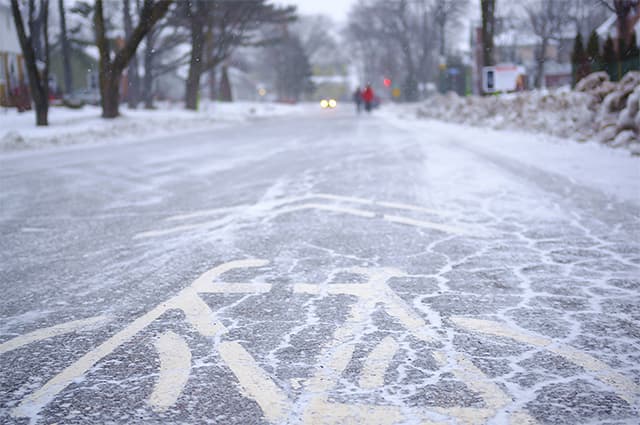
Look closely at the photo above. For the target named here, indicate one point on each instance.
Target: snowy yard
(80, 126)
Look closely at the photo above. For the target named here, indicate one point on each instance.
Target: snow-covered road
(321, 269)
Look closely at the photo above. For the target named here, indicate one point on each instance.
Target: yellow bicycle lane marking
(175, 366)
(52, 331)
(314, 405)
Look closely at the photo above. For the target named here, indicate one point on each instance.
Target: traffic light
(387, 82)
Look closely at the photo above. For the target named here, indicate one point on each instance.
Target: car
(328, 103)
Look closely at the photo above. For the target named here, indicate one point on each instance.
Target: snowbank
(593, 165)
(74, 126)
(597, 109)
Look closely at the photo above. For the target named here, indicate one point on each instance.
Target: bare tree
(222, 26)
(162, 54)
(149, 64)
(34, 55)
(548, 19)
(622, 9)
(392, 38)
(447, 12)
(587, 15)
(316, 37)
(112, 66)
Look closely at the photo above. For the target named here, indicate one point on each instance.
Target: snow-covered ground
(75, 126)
(595, 165)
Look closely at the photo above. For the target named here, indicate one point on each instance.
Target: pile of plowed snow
(596, 109)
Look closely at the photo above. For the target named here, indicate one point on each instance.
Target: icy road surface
(320, 269)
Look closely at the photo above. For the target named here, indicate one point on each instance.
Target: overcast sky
(337, 9)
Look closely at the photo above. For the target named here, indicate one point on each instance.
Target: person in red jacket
(367, 97)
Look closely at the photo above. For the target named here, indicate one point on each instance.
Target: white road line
(237, 288)
(50, 332)
(175, 367)
(186, 227)
(332, 208)
(424, 224)
(206, 213)
(277, 208)
(377, 363)
(392, 205)
(398, 206)
(256, 384)
(351, 199)
(625, 387)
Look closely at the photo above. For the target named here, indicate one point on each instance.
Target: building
(519, 47)
(610, 26)
(13, 78)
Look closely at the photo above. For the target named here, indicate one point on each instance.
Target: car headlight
(324, 103)
(332, 103)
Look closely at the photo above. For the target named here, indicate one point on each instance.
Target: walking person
(367, 97)
(357, 99)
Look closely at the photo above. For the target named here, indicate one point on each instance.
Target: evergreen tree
(579, 59)
(578, 54)
(593, 52)
(610, 59)
(631, 55)
(622, 55)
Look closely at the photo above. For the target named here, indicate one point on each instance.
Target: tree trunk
(44, 10)
(225, 85)
(213, 90)
(42, 114)
(111, 98)
(195, 64)
(133, 78)
(147, 82)
(66, 54)
(623, 9)
(443, 45)
(540, 59)
(488, 28)
(38, 82)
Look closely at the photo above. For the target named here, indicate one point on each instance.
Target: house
(520, 47)
(13, 78)
(610, 26)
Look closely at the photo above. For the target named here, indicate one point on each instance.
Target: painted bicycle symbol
(277, 407)
(314, 406)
